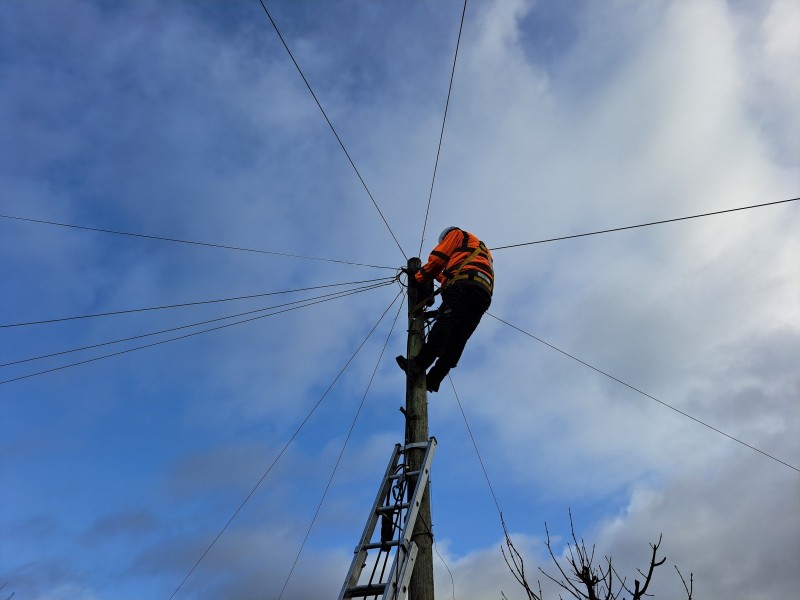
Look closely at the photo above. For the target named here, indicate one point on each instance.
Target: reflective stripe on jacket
(456, 257)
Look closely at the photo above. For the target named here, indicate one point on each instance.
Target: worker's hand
(412, 280)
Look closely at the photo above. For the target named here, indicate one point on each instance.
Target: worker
(462, 264)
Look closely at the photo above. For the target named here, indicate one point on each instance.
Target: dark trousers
(463, 305)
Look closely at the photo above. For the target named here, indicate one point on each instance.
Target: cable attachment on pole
(424, 290)
(398, 277)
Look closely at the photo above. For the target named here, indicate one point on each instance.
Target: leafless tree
(582, 577)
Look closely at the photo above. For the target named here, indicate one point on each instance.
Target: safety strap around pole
(422, 303)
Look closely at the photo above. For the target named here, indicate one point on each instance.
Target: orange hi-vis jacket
(459, 256)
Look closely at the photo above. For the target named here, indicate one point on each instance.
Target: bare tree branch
(649, 576)
(580, 577)
(690, 588)
(568, 586)
(518, 568)
(622, 580)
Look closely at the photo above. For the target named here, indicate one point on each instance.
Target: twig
(690, 588)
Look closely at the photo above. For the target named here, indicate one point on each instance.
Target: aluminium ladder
(396, 516)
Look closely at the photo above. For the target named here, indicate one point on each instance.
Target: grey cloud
(133, 523)
(732, 526)
(245, 564)
(646, 115)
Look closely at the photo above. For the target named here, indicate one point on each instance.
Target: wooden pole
(421, 585)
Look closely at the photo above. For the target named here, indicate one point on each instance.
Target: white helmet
(445, 231)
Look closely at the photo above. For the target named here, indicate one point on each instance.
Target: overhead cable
(282, 450)
(708, 214)
(441, 558)
(330, 296)
(333, 129)
(188, 335)
(477, 452)
(444, 120)
(191, 242)
(344, 445)
(184, 304)
(645, 394)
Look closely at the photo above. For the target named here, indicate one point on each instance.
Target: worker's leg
(467, 303)
(441, 330)
(438, 336)
(430, 349)
(471, 302)
(436, 375)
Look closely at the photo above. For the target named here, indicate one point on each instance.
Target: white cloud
(187, 127)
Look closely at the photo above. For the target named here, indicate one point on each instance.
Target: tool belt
(475, 276)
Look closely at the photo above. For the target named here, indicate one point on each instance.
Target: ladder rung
(415, 446)
(362, 591)
(375, 545)
(406, 474)
(391, 509)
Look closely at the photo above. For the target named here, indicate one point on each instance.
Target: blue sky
(188, 120)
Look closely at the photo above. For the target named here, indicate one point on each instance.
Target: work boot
(436, 375)
(404, 364)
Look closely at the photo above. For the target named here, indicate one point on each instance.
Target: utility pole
(421, 585)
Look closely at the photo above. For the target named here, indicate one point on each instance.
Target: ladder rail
(419, 489)
(397, 588)
(361, 552)
(403, 566)
(396, 585)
